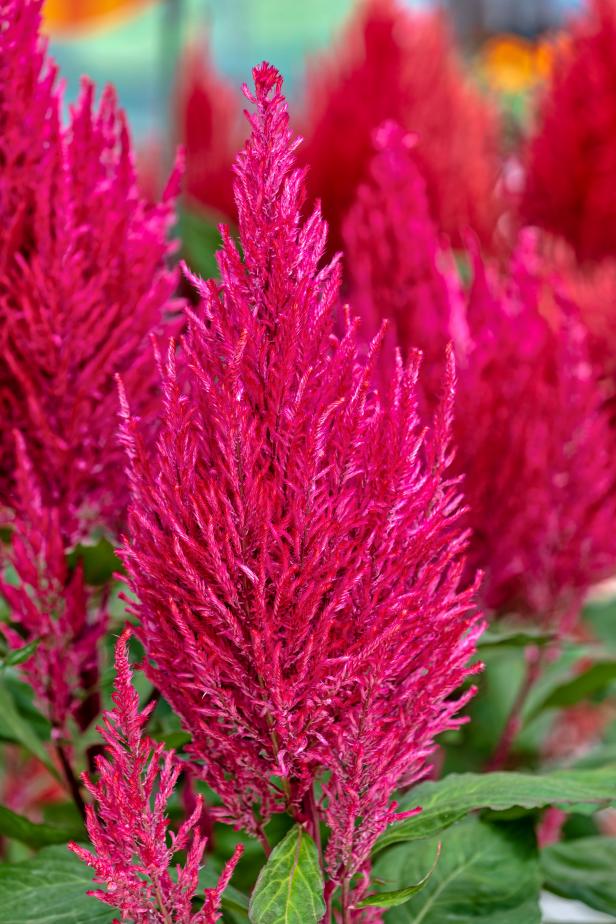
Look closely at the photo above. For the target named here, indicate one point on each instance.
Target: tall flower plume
(83, 281)
(396, 64)
(83, 284)
(294, 539)
(571, 169)
(128, 825)
(398, 268)
(534, 442)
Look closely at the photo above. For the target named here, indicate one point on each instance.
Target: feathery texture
(83, 281)
(129, 826)
(571, 169)
(294, 541)
(51, 604)
(534, 442)
(207, 126)
(393, 63)
(398, 268)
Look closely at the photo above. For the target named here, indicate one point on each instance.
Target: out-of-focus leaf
(588, 683)
(583, 869)
(447, 801)
(35, 835)
(511, 637)
(486, 874)
(14, 727)
(20, 655)
(200, 241)
(98, 559)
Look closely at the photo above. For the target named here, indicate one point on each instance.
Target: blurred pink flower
(393, 63)
(295, 540)
(571, 162)
(128, 825)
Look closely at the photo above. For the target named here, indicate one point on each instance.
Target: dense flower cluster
(83, 281)
(392, 63)
(535, 445)
(294, 539)
(398, 268)
(129, 826)
(571, 170)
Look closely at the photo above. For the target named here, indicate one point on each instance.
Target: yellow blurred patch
(86, 15)
(511, 64)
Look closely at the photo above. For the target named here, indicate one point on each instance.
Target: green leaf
(289, 889)
(399, 896)
(448, 800)
(34, 835)
(200, 241)
(50, 889)
(583, 869)
(486, 874)
(98, 559)
(583, 686)
(14, 727)
(20, 655)
(511, 637)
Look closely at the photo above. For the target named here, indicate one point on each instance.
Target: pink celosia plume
(83, 280)
(535, 445)
(571, 162)
(398, 268)
(294, 539)
(129, 827)
(393, 63)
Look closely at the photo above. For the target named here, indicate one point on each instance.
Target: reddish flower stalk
(51, 604)
(129, 826)
(209, 130)
(393, 63)
(295, 540)
(398, 267)
(528, 411)
(571, 162)
(83, 281)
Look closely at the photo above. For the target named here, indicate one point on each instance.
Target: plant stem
(71, 780)
(262, 836)
(534, 664)
(344, 901)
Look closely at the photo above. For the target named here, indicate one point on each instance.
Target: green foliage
(449, 800)
(200, 237)
(98, 559)
(289, 889)
(583, 869)
(587, 684)
(486, 874)
(15, 727)
(35, 835)
(49, 889)
(399, 896)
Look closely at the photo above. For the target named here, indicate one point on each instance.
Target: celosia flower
(535, 445)
(397, 267)
(207, 126)
(393, 63)
(294, 540)
(83, 281)
(51, 604)
(571, 169)
(129, 826)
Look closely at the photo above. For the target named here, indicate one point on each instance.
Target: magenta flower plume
(50, 604)
(571, 162)
(294, 540)
(535, 444)
(83, 281)
(128, 826)
(401, 64)
(398, 267)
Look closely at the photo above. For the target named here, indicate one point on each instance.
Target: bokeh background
(136, 44)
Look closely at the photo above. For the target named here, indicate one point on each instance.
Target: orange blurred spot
(511, 64)
(79, 15)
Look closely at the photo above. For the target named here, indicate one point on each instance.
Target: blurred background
(136, 44)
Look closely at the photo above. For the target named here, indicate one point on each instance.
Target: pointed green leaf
(511, 637)
(51, 888)
(289, 889)
(595, 679)
(34, 835)
(486, 874)
(19, 655)
(448, 800)
(14, 727)
(584, 870)
(399, 896)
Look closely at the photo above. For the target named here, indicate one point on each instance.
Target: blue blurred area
(139, 54)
